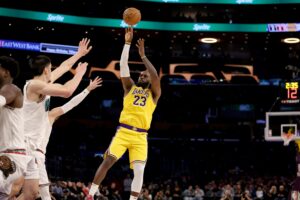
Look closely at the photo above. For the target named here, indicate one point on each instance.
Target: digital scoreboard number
(290, 92)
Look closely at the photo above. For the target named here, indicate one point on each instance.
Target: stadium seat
(174, 79)
(203, 78)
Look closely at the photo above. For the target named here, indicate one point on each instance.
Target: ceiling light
(291, 40)
(209, 40)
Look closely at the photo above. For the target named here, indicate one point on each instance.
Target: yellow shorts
(135, 142)
(298, 144)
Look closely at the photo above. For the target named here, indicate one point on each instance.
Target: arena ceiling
(265, 50)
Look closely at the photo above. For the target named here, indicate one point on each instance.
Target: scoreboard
(290, 92)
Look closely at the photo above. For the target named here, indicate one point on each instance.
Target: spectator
(145, 195)
(199, 193)
(127, 186)
(189, 193)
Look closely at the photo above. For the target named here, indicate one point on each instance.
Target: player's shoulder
(17, 89)
(11, 87)
(36, 81)
(36, 84)
(34, 87)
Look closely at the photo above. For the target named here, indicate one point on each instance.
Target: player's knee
(31, 195)
(138, 172)
(138, 169)
(137, 182)
(108, 162)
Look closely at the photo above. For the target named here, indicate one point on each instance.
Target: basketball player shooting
(139, 104)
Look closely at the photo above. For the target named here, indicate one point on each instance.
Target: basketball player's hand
(81, 68)
(84, 47)
(97, 82)
(128, 34)
(140, 45)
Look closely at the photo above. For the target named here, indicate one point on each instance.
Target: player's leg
(16, 187)
(115, 151)
(138, 157)
(298, 156)
(30, 189)
(31, 184)
(101, 172)
(295, 189)
(43, 176)
(137, 182)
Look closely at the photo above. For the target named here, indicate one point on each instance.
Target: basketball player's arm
(58, 90)
(8, 94)
(58, 111)
(155, 80)
(65, 66)
(127, 82)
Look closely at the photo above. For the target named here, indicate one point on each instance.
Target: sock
(93, 189)
(133, 197)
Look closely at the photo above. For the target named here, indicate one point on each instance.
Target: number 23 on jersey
(139, 100)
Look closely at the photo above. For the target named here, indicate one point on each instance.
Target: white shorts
(40, 159)
(25, 166)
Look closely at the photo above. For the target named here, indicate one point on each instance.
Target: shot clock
(290, 93)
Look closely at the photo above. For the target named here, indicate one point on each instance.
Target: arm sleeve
(124, 69)
(74, 101)
(2, 101)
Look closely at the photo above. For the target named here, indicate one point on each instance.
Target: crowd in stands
(246, 188)
(231, 171)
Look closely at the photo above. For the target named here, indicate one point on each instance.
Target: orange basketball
(132, 16)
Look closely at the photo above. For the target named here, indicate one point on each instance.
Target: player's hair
(11, 65)
(38, 64)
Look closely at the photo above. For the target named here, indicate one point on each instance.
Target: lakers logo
(141, 92)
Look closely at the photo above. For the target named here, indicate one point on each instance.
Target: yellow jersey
(138, 108)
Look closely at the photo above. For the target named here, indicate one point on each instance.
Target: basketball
(132, 16)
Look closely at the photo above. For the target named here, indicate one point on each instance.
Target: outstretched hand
(81, 68)
(128, 34)
(141, 46)
(84, 47)
(97, 82)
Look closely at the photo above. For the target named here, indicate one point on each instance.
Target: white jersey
(35, 119)
(47, 133)
(11, 128)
